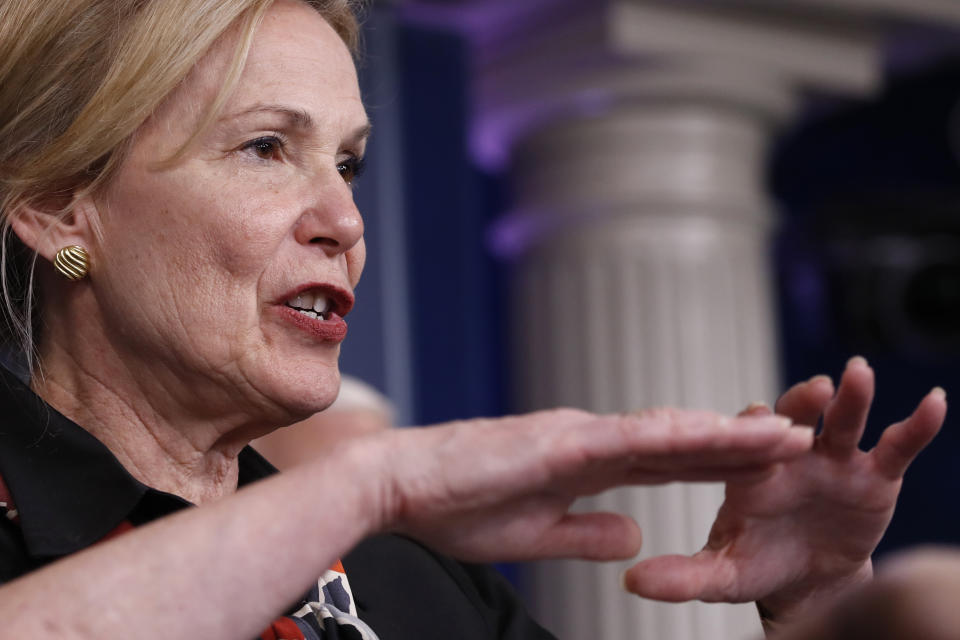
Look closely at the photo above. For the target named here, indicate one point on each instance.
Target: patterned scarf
(332, 617)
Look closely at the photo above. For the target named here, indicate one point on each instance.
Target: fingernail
(820, 378)
(753, 406)
(806, 434)
(860, 360)
(784, 422)
(939, 391)
(623, 580)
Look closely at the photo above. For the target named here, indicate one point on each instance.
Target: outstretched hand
(501, 489)
(804, 533)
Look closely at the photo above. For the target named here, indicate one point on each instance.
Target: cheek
(187, 244)
(244, 240)
(199, 225)
(244, 227)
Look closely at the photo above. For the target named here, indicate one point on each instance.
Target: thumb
(678, 578)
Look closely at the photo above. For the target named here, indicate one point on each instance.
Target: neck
(165, 444)
(190, 462)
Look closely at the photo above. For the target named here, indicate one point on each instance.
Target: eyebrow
(361, 133)
(300, 119)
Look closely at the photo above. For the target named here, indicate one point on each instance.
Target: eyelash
(349, 169)
(276, 142)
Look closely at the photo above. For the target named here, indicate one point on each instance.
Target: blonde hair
(77, 79)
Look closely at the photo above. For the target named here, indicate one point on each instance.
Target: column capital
(627, 51)
(934, 11)
(581, 59)
(539, 61)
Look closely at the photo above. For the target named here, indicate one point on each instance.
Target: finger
(901, 443)
(665, 433)
(676, 578)
(804, 402)
(745, 445)
(741, 467)
(846, 416)
(598, 536)
(670, 444)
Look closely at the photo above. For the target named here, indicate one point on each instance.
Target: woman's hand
(501, 489)
(804, 533)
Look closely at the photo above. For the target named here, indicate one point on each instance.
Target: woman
(176, 175)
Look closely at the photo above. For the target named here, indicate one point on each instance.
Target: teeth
(311, 303)
(311, 314)
(320, 304)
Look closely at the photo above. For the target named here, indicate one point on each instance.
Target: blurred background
(615, 204)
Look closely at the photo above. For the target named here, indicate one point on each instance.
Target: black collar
(69, 489)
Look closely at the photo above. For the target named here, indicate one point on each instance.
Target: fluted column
(646, 284)
(641, 234)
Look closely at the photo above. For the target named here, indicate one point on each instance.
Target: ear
(48, 225)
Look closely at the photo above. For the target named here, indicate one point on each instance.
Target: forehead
(296, 60)
(297, 56)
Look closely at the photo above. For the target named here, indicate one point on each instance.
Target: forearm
(481, 490)
(224, 570)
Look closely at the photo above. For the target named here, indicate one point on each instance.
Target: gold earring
(72, 262)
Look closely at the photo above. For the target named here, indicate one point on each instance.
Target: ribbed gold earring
(72, 262)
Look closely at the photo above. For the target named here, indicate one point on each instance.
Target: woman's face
(227, 275)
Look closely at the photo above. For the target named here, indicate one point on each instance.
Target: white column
(651, 288)
(643, 270)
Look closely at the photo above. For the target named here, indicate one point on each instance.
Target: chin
(297, 382)
(307, 395)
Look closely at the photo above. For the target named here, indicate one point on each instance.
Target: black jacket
(62, 490)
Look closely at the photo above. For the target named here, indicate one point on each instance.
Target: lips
(318, 309)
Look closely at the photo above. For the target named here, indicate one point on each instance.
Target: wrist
(783, 609)
(356, 469)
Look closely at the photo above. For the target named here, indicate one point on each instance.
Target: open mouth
(312, 303)
(320, 302)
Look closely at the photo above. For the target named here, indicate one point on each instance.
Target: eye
(351, 168)
(265, 148)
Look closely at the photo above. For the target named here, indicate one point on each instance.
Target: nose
(331, 220)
